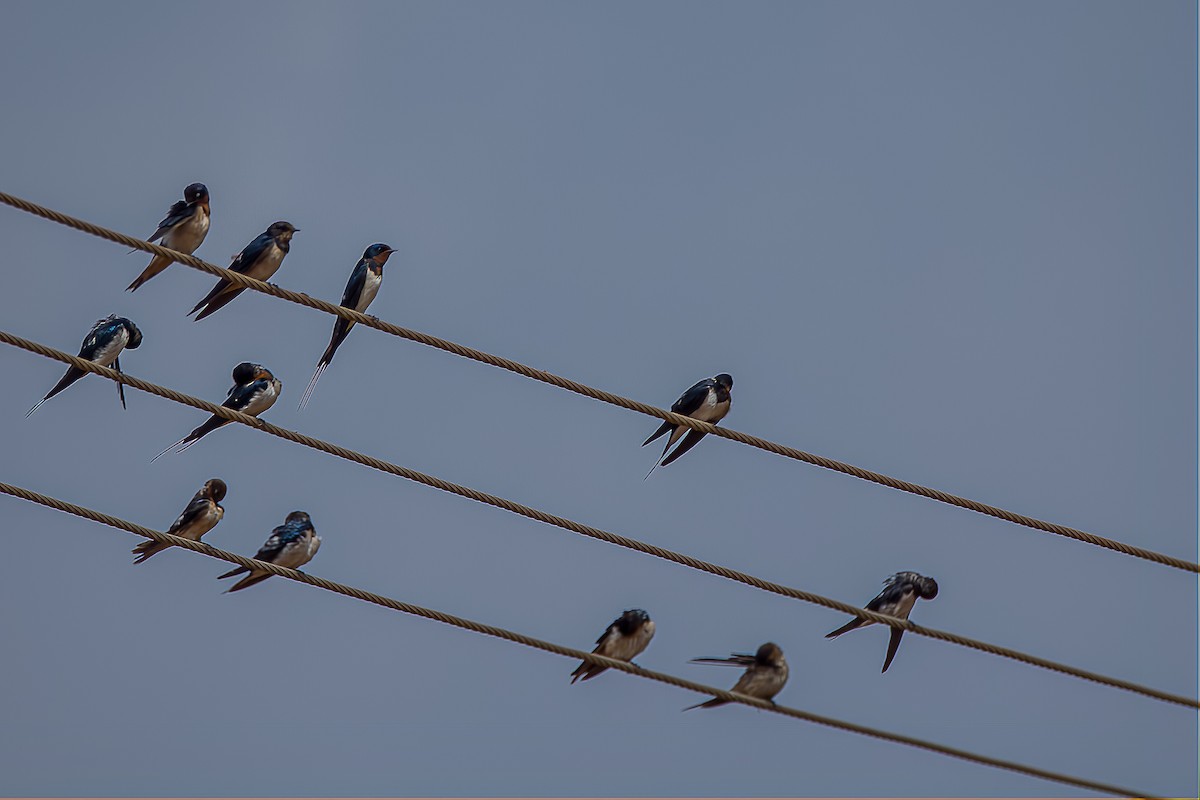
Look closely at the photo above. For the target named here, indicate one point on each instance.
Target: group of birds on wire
(294, 543)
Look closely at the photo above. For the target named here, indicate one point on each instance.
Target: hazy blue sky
(954, 242)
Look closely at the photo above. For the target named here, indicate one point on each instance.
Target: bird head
(215, 488)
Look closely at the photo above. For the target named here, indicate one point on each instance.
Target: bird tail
(689, 441)
(249, 580)
(708, 704)
(148, 548)
(73, 374)
(849, 626)
(666, 447)
(662, 429)
(193, 437)
(232, 572)
(893, 646)
(218, 298)
(156, 265)
(321, 366)
(120, 386)
(586, 671)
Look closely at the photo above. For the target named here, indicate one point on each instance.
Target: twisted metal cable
(596, 394)
(588, 530)
(557, 649)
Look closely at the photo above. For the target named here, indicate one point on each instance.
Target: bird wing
(176, 214)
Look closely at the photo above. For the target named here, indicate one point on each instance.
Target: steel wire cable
(557, 649)
(588, 530)
(597, 394)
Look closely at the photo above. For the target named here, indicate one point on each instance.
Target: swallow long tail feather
(232, 572)
(156, 265)
(248, 581)
(893, 646)
(662, 430)
(689, 441)
(340, 331)
(716, 701)
(148, 548)
(586, 671)
(659, 461)
(219, 302)
(120, 386)
(849, 626)
(312, 384)
(168, 449)
(193, 437)
(72, 374)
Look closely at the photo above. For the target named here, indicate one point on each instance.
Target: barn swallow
(707, 401)
(183, 229)
(766, 673)
(103, 346)
(254, 390)
(292, 544)
(200, 517)
(899, 595)
(260, 260)
(624, 639)
(360, 291)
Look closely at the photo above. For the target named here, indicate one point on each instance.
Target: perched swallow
(254, 390)
(766, 673)
(292, 544)
(360, 291)
(625, 638)
(899, 595)
(260, 260)
(103, 346)
(200, 517)
(183, 229)
(707, 401)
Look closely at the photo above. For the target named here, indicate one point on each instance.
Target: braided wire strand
(557, 649)
(597, 394)
(588, 530)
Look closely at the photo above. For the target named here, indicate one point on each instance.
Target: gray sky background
(953, 242)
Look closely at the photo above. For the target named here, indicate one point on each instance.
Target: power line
(557, 649)
(586, 530)
(597, 394)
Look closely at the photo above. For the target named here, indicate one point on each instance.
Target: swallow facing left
(624, 639)
(360, 291)
(183, 229)
(707, 401)
(103, 345)
(260, 259)
(200, 517)
(292, 544)
(899, 595)
(765, 675)
(254, 390)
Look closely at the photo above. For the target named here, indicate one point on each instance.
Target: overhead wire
(569, 652)
(587, 530)
(597, 394)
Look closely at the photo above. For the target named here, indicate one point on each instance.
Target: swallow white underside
(189, 234)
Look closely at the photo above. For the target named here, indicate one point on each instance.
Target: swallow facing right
(254, 390)
(200, 517)
(360, 291)
(292, 544)
(707, 401)
(624, 639)
(103, 345)
(260, 259)
(765, 675)
(183, 229)
(899, 595)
